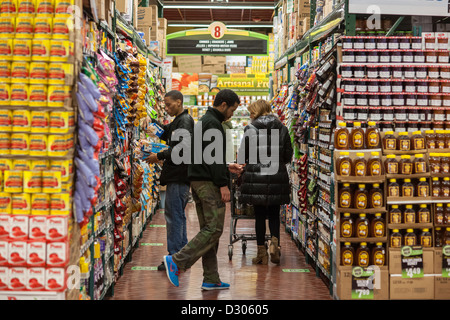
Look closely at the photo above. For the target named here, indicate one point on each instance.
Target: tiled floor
(248, 282)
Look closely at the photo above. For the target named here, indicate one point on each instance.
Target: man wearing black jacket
(209, 184)
(174, 176)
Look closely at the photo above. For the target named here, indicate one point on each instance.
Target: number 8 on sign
(217, 30)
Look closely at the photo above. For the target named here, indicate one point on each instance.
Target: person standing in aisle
(265, 191)
(174, 176)
(209, 184)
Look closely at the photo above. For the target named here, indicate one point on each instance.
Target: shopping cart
(239, 211)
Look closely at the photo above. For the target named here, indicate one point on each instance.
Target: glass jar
(422, 87)
(434, 87)
(444, 72)
(385, 72)
(386, 100)
(431, 57)
(411, 100)
(409, 72)
(416, 43)
(419, 57)
(397, 72)
(398, 100)
(421, 72)
(347, 72)
(396, 57)
(359, 72)
(349, 86)
(382, 43)
(433, 72)
(385, 86)
(347, 43)
(393, 43)
(373, 57)
(408, 57)
(372, 72)
(361, 86)
(348, 56)
(422, 100)
(373, 100)
(360, 57)
(385, 57)
(397, 86)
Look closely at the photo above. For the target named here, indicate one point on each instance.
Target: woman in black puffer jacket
(265, 185)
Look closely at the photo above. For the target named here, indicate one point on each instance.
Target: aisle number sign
(440, 8)
(217, 39)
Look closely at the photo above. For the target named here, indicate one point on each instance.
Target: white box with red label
(57, 228)
(37, 227)
(36, 253)
(18, 225)
(55, 279)
(4, 248)
(35, 279)
(4, 226)
(17, 278)
(57, 254)
(17, 253)
(4, 278)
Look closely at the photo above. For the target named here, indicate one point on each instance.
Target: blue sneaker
(215, 286)
(171, 270)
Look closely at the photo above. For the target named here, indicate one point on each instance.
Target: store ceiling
(207, 15)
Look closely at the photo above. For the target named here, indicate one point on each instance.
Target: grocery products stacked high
(36, 154)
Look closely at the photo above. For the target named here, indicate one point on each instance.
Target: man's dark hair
(228, 96)
(175, 95)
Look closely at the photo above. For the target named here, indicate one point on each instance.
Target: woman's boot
(274, 250)
(262, 257)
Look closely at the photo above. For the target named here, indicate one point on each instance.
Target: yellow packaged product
(70, 141)
(59, 122)
(26, 7)
(5, 94)
(38, 73)
(45, 7)
(5, 120)
(40, 122)
(21, 164)
(19, 94)
(5, 202)
(67, 187)
(38, 95)
(62, 166)
(21, 203)
(40, 204)
(20, 143)
(13, 181)
(6, 49)
(6, 164)
(43, 27)
(40, 50)
(59, 204)
(71, 118)
(24, 27)
(5, 72)
(8, 7)
(61, 28)
(5, 143)
(32, 181)
(7, 27)
(56, 146)
(70, 166)
(51, 181)
(22, 50)
(57, 95)
(59, 50)
(40, 165)
(60, 73)
(38, 145)
(63, 7)
(21, 121)
(20, 72)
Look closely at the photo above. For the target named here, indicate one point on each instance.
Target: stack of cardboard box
(214, 64)
(105, 11)
(294, 22)
(147, 22)
(161, 36)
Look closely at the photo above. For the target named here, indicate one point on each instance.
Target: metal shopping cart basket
(239, 211)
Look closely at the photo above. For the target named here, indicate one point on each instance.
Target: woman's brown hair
(260, 108)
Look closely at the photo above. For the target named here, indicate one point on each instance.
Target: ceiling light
(218, 5)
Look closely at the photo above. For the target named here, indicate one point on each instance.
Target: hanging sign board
(217, 40)
(439, 8)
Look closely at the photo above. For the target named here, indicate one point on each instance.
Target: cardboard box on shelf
(214, 60)
(162, 23)
(411, 289)
(395, 261)
(305, 24)
(101, 9)
(441, 284)
(189, 64)
(148, 16)
(344, 283)
(213, 68)
(146, 31)
(304, 7)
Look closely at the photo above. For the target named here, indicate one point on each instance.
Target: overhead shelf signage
(401, 7)
(217, 40)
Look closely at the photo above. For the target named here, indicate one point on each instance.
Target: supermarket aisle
(247, 281)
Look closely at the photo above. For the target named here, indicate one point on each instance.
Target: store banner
(217, 40)
(198, 83)
(440, 8)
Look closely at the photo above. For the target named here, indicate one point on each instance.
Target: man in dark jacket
(174, 176)
(209, 184)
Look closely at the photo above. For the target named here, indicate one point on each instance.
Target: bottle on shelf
(391, 164)
(361, 197)
(396, 239)
(374, 166)
(430, 137)
(410, 238)
(409, 214)
(418, 141)
(424, 214)
(405, 164)
(347, 254)
(389, 141)
(446, 219)
(373, 140)
(347, 226)
(423, 188)
(445, 187)
(357, 136)
(362, 226)
(377, 226)
(435, 187)
(344, 164)
(403, 141)
(359, 165)
(407, 188)
(376, 196)
(438, 237)
(425, 238)
(341, 137)
(393, 188)
(420, 164)
(378, 255)
(363, 255)
(345, 196)
(395, 214)
(439, 214)
(446, 237)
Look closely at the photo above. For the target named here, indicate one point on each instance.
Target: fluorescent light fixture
(218, 5)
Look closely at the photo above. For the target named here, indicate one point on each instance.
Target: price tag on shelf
(362, 283)
(412, 262)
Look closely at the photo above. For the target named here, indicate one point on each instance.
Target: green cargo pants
(211, 216)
